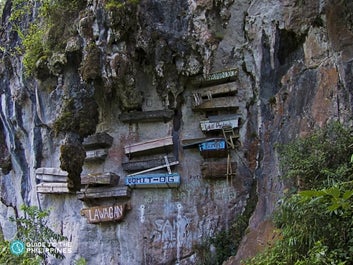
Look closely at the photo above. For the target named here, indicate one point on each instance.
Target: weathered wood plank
(107, 178)
(230, 103)
(149, 145)
(98, 141)
(157, 180)
(53, 188)
(215, 148)
(216, 170)
(101, 214)
(49, 174)
(147, 116)
(104, 192)
(224, 90)
(96, 155)
(145, 164)
(215, 78)
(51, 171)
(52, 178)
(167, 164)
(208, 125)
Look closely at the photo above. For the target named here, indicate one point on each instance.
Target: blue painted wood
(216, 148)
(157, 180)
(213, 145)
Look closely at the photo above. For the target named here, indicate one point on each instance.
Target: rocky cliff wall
(111, 60)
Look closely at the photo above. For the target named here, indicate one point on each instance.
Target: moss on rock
(91, 65)
(71, 160)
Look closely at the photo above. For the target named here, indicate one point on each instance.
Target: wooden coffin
(224, 90)
(47, 174)
(216, 170)
(223, 103)
(147, 116)
(214, 123)
(108, 178)
(98, 141)
(217, 148)
(157, 180)
(52, 188)
(145, 164)
(215, 78)
(102, 214)
(150, 145)
(104, 192)
(96, 155)
(195, 142)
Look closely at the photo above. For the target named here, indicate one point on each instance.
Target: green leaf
(347, 194)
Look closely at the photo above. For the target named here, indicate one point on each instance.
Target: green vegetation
(116, 4)
(315, 221)
(48, 32)
(82, 119)
(31, 229)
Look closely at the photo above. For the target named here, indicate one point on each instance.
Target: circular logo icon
(17, 247)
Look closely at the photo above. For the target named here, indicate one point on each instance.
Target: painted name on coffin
(101, 214)
(153, 180)
(213, 145)
(209, 126)
(217, 75)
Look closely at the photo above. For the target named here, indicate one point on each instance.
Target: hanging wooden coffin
(104, 192)
(47, 174)
(217, 170)
(96, 155)
(157, 180)
(224, 103)
(53, 188)
(138, 165)
(98, 141)
(215, 78)
(102, 214)
(149, 146)
(107, 178)
(214, 123)
(216, 148)
(147, 116)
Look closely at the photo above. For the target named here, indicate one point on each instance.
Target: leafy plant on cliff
(33, 229)
(116, 4)
(315, 224)
(47, 32)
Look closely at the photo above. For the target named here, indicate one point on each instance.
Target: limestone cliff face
(109, 63)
